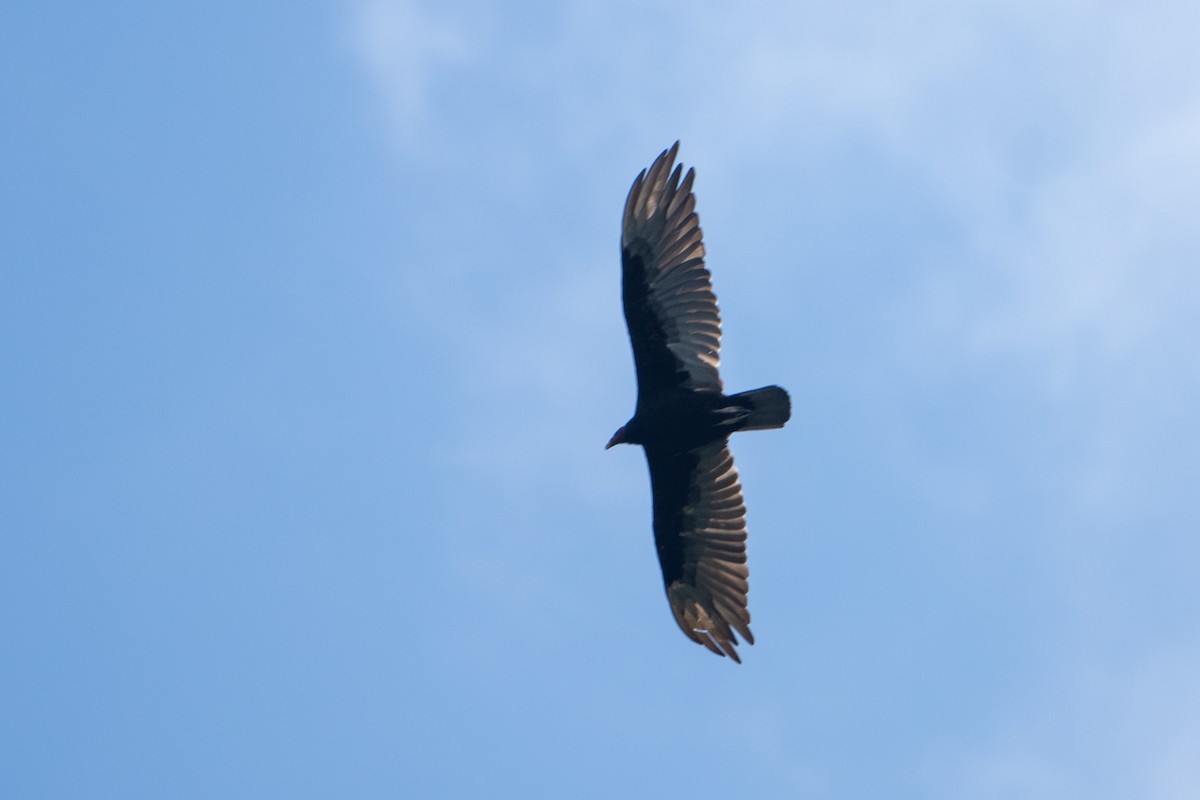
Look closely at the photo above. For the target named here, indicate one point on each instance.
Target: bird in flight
(683, 418)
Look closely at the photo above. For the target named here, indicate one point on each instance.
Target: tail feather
(769, 407)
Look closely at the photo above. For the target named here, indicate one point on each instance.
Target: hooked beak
(617, 438)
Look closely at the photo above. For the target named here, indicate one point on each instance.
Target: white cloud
(1104, 260)
(1059, 141)
(403, 47)
(1102, 732)
(1065, 143)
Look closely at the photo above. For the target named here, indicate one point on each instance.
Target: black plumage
(683, 418)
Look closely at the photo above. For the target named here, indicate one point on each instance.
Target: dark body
(683, 418)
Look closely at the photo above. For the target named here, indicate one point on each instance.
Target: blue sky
(310, 342)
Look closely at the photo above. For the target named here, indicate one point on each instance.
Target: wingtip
(666, 158)
(705, 624)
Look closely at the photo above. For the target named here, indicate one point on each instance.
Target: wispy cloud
(404, 48)
(1125, 730)
(1056, 144)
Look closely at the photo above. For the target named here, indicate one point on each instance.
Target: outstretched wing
(669, 303)
(700, 532)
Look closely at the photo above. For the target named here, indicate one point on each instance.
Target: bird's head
(617, 438)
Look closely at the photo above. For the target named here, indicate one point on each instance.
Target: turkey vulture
(683, 418)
